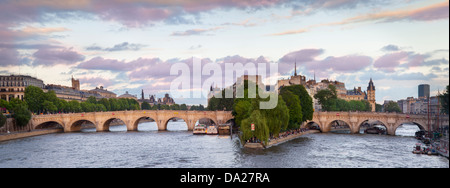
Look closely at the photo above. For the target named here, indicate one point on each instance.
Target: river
(148, 148)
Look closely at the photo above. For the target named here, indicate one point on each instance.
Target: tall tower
(295, 74)
(75, 84)
(142, 95)
(371, 94)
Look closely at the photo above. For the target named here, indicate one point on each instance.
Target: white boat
(212, 130)
(418, 149)
(199, 129)
(442, 149)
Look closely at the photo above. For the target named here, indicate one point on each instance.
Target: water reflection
(177, 147)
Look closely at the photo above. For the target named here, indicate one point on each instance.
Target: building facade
(103, 92)
(13, 86)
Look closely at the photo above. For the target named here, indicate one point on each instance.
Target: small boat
(199, 129)
(375, 130)
(418, 149)
(442, 148)
(212, 130)
(224, 129)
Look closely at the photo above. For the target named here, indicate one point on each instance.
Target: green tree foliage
(22, 115)
(49, 107)
(295, 110)
(241, 111)
(277, 119)
(392, 106)
(329, 101)
(34, 97)
(267, 121)
(145, 106)
(443, 98)
(2, 119)
(306, 101)
(261, 129)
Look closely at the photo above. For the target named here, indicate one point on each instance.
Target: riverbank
(274, 142)
(18, 135)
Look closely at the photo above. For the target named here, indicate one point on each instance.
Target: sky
(130, 45)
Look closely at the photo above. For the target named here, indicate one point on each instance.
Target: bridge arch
(361, 123)
(50, 124)
(164, 122)
(421, 125)
(339, 125)
(76, 125)
(212, 119)
(312, 125)
(106, 124)
(135, 123)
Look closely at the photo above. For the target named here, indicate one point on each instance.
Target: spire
(314, 74)
(295, 74)
(142, 95)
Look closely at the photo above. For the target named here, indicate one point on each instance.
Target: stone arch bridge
(390, 120)
(72, 122)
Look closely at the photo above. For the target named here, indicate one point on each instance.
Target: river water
(177, 147)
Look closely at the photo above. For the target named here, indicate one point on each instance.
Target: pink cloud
(49, 56)
(96, 81)
(350, 63)
(8, 56)
(390, 61)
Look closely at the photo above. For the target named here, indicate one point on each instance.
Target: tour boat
(375, 130)
(418, 149)
(199, 129)
(442, 148)
(212, 130)
(224, 129)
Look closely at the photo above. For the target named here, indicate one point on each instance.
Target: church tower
(75, 84)
(371, 94)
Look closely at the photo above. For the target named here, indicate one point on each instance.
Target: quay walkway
(277, 141)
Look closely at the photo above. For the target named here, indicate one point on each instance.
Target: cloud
(49, 57)
(196, 31)
(118, 47)
(389, 62)
(8, 56)
(433, 12)
(390, 47)
(428, 13)
(290, 32)
(96, 81)
(349, 63)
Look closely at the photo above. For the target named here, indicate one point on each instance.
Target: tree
(22, 115)
(49, 107)
(443, 98)
(74, 106)
(325, 97)
(295, 110)
(145, 106)
(105, 103)
(378, 107)
(277, 119)
(183, 107)
(392, 106)
(92, 100)
(2, 119)
(306, 101)
(261, 129)
(34, 97)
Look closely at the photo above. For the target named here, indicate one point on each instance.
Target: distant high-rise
(424, 91)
